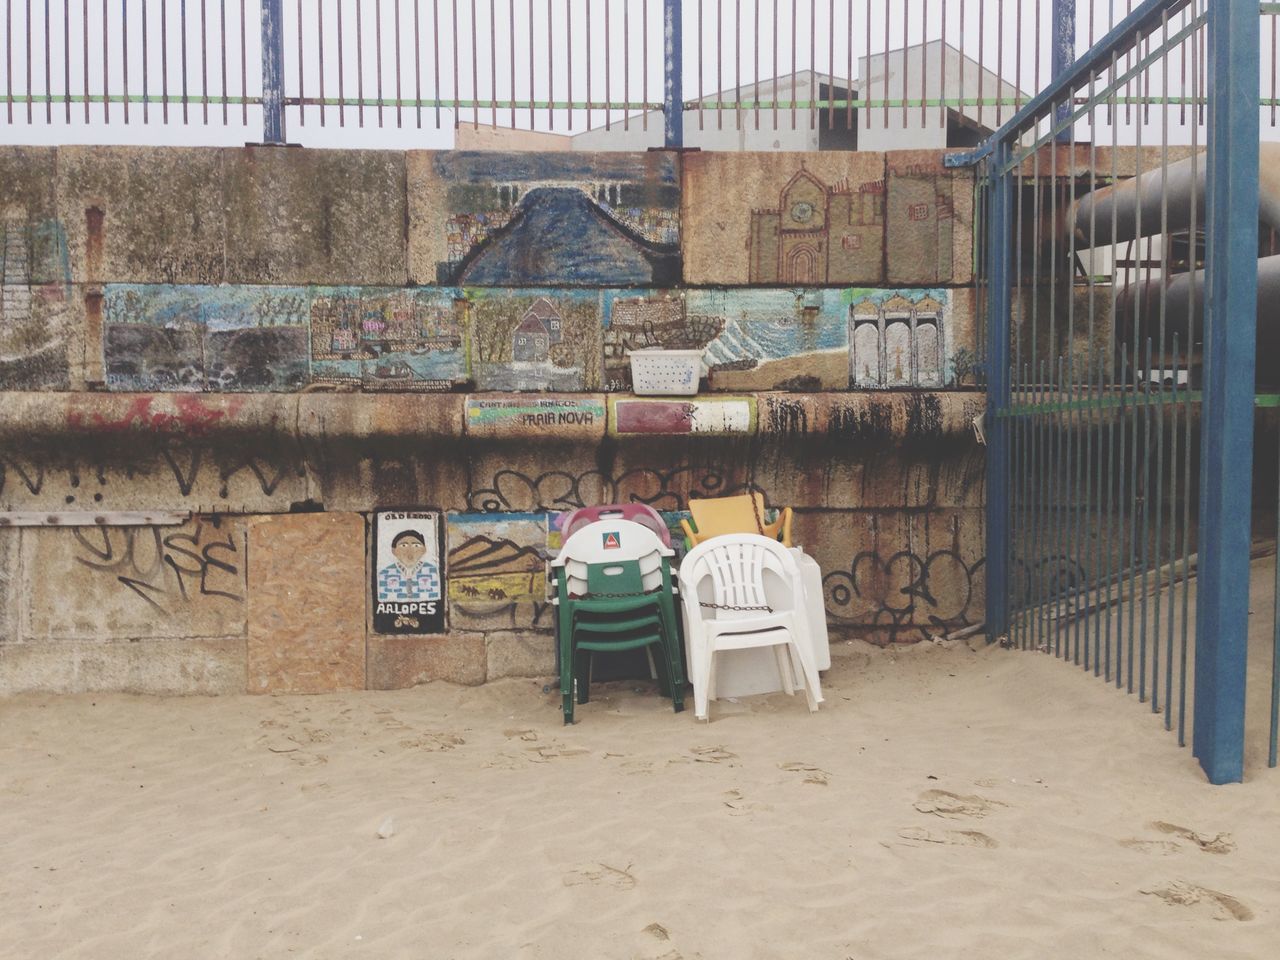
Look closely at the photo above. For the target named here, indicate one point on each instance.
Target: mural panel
(497, 571)
(904, 338)
(388, 339)
(35, 295)
(499, 219)
(535, 339)
(408, 593)
(232, 338)
(795, 219)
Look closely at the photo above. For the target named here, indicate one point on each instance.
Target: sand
(945, 802)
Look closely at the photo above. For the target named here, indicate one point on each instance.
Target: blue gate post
(1226, 454)
(673, 61)
(273, 71)
(1063, 55)
(998, 397)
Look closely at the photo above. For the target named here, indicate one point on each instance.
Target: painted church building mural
(896, 339)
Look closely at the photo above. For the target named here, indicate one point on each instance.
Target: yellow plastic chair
(740, 514)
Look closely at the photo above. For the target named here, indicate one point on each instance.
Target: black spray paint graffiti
(167, 570)
(511, 490)
(905, 593)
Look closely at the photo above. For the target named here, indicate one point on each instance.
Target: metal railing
(624, 73)
(1121, 289)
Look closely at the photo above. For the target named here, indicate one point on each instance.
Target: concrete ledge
(397, 662)
(158, 667)
(309, 418)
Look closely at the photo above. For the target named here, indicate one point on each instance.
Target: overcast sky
(490, 45)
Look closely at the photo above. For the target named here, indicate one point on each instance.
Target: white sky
(726, 31)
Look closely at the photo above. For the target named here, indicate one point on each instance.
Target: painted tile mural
(497, 570)
(35, 292)
(388, 339)
(535, 339)
(495, 219)
(233, 338)
(784, 218)
(907, 338)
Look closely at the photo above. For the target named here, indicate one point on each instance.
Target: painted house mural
(533, 219)
(535, 339)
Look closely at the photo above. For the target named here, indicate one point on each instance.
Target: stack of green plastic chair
(614, 592)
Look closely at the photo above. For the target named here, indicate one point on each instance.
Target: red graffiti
(191, 418)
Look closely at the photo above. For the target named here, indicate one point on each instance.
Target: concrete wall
(275, 344)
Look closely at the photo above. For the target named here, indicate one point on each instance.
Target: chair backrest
(734, 570)
(619, 578)
(610, 542)
(721, 515)
(640, 513)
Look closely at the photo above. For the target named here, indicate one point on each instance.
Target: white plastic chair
(723, 589)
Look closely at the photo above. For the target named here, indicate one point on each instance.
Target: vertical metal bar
(1000, 61)
(84, 36)
(775, 63)
(377, 51)
(359, 12)
(942, 77)
(551, 82)
(885, 65)
(588, 46)
(146, 100)
(1017, 66)
(719, 64)
(1222, 608)
(608, 42)
(626, 63)
(66, 65)
(831, 65)
(1274, 732)
(962, 72)
(272, 72)
(417, 64)
(302, 109)
(794, 25)
(182, 49)
(435, 57)
(106, 60)
(568, 46)
(700, 41)
(737, 64)
(8, 58)
(813, 64)
(342, 99)
(673, 32)
(644, 70)
(457, 110)
(924, 61)
(31, 60)
(848, 105)
(511, 40)
(48, 70)
(1063, 51)
(320, 59)
(222, 36)
(997, 467)
(399, 96)
(204, 59)
(124, 55)
(244, 66)
(906, 57)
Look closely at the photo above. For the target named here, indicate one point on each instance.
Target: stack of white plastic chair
(742, 591)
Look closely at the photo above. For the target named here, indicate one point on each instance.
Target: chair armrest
(690, 534)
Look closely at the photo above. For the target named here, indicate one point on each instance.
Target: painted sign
(408, 594)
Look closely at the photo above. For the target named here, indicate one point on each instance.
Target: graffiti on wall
(512, 219)
(35, 293)
(108, 583)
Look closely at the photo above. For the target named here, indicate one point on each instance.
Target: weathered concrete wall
(278, 343)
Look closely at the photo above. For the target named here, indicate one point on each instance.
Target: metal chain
(732, 606)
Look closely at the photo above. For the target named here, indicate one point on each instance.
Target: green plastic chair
(604, 606)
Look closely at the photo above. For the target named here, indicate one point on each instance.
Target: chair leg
(812, 686)
(701, 665)
(782, 655)
(582, 674)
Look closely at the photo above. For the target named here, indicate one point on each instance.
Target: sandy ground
(944, 803)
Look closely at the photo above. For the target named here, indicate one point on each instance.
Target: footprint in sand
(714, 754)
(433, 742)
(601, 875)
(1220, 843)
(303, 759)
(944, 803)
(740, 806)
(527, 735)
(1158, 848)
(954, 838)
(546, 752)
(812, 774)
(1179, 893)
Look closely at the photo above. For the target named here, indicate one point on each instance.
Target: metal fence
(622, 73)
(1121, 292)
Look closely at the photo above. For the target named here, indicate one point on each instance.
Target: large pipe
(1183, 301)
(1182, 182)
